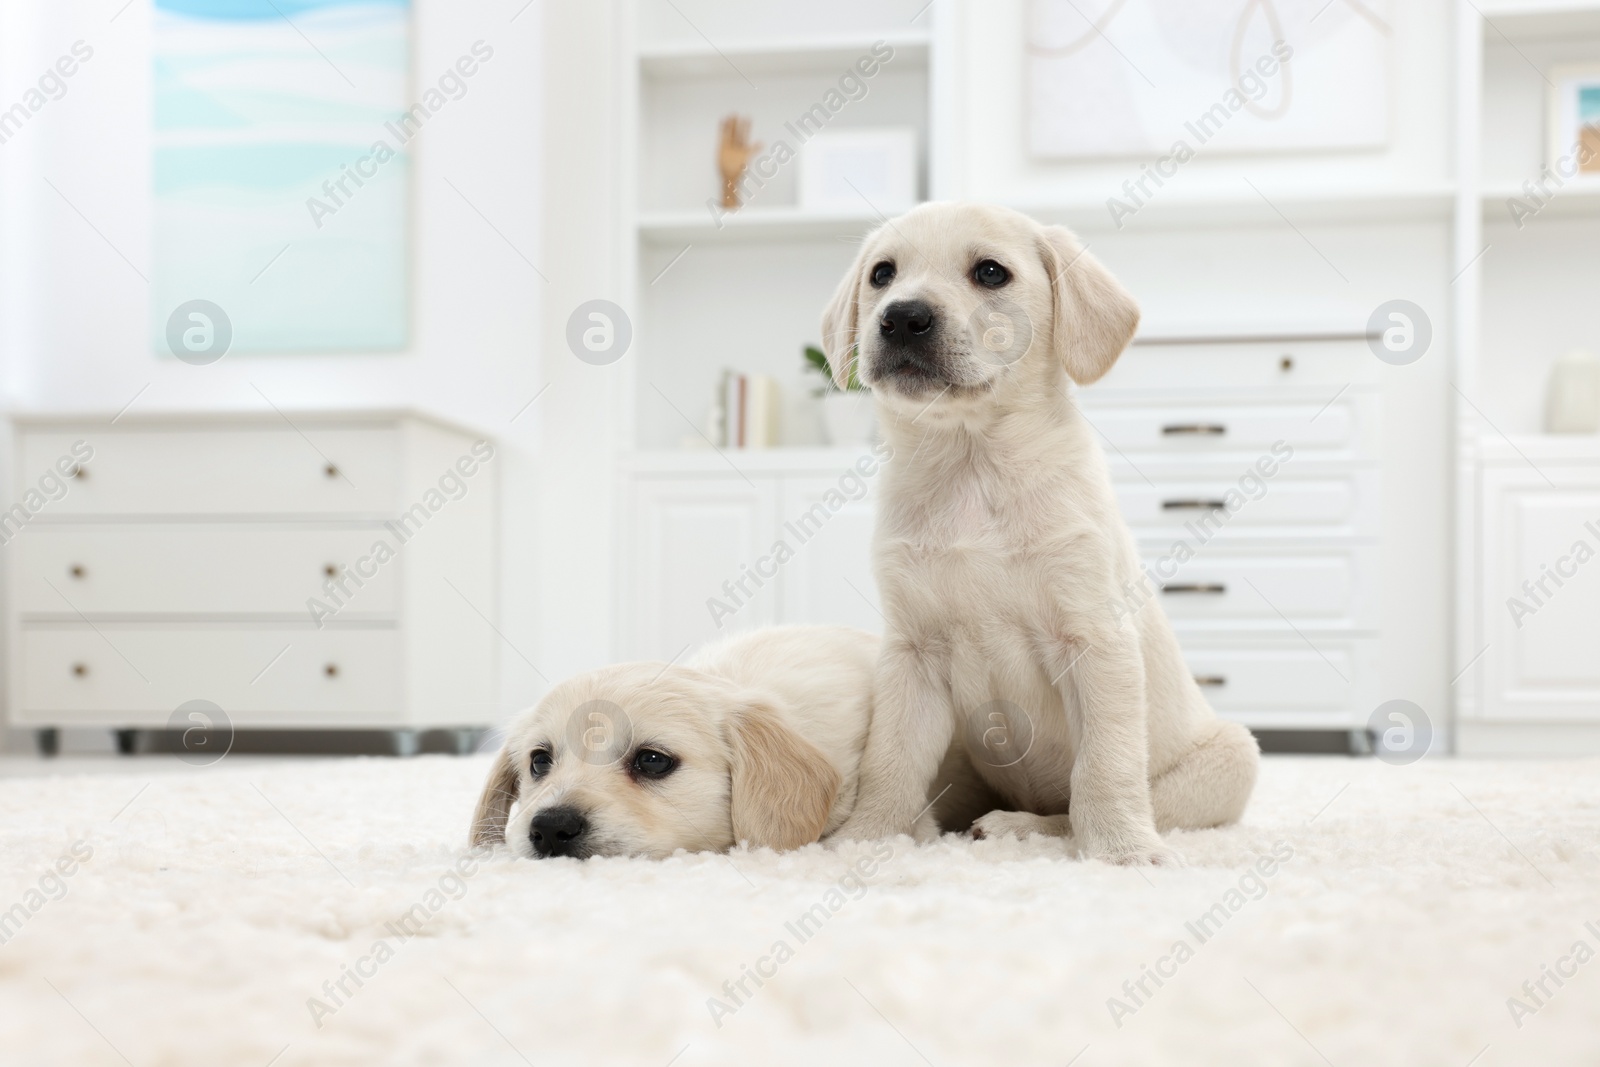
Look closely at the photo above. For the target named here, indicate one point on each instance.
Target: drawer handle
(331, 670)
(80, 669)
(331, 570)
(1196, 587)
(1210, 681)
(1193, 505)
(331, 471)
(76, 570)
(1194, 429)
(79, 471)
(1286, 364)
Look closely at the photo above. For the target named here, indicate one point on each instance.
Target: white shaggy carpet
(1416, 902)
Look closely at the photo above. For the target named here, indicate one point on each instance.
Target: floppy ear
(840, 325)
(1095, 317)
(494, 806)
(783, 786)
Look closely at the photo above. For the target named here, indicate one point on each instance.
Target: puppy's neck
(1023, 425)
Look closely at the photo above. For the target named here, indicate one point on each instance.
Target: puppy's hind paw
(1020, 824)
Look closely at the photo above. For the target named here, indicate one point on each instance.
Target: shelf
(749, 460)
(753, 224)
(1225, 207)
(1550, 450)
(1196, 210)
(1573, 200)
(753, 59)
(1540, 20)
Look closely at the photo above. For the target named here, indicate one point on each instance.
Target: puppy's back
(819, 678)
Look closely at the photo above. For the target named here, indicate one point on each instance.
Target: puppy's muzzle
(906, 331)
(559, 832)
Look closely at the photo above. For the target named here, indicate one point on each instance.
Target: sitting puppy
(1000, 553)
(756, 740)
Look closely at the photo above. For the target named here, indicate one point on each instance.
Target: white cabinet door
(829, 577)
(1541, 590)
(698, 546)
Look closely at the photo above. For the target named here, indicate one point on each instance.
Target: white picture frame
(868, 171)
(1572, 139)
(1119, 79)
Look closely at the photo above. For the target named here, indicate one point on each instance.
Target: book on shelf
(746, 411)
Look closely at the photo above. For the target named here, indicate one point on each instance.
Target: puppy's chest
(957, 530)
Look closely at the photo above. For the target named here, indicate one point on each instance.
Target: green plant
(817, 360)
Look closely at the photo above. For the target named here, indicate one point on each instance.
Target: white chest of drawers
(327, 570)
(1275, 595)
(1271, 580)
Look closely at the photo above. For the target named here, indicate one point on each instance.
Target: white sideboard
(1538, 612)
(1248, 471)
(318, 570)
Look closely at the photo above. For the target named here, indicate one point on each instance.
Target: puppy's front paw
(1141, 853)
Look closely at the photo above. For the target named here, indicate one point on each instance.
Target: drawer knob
(1286, 364)
(1195, 587)
(330, 570)
(331, 471)
(1194, 429)
(331, 670)
(76, 570)
(1210, 681)
(80, 669)
(79, 471)
(1193, 505)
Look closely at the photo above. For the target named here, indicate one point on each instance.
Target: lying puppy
(757, 740)
(1000, 554)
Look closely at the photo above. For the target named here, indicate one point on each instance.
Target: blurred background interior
(371, 366)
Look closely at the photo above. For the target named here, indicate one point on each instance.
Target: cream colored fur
(768, 729)
(1003, 563)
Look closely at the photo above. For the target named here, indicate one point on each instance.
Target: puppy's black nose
(558, 832)
(906, 322)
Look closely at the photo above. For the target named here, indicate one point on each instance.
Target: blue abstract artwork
(281, 192)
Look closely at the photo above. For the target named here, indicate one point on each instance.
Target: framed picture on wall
(1573, 151)
(281, 175)
(1130, 78)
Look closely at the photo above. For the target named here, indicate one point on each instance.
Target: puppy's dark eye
(882, 274)
(648, 763)
(990, 274)
(540, 763)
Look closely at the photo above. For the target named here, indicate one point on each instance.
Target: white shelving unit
(691, 64)
(1522, 298)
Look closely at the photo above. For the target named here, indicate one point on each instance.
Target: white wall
(74, 313)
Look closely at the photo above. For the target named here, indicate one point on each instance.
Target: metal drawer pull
(1196, 587)
(331, 670)
(79, 471)
(1210, 681)
(1193, 505)
(331, 471)
(331, 570)
(76, 570)
(80, 669)
(1198, 429)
